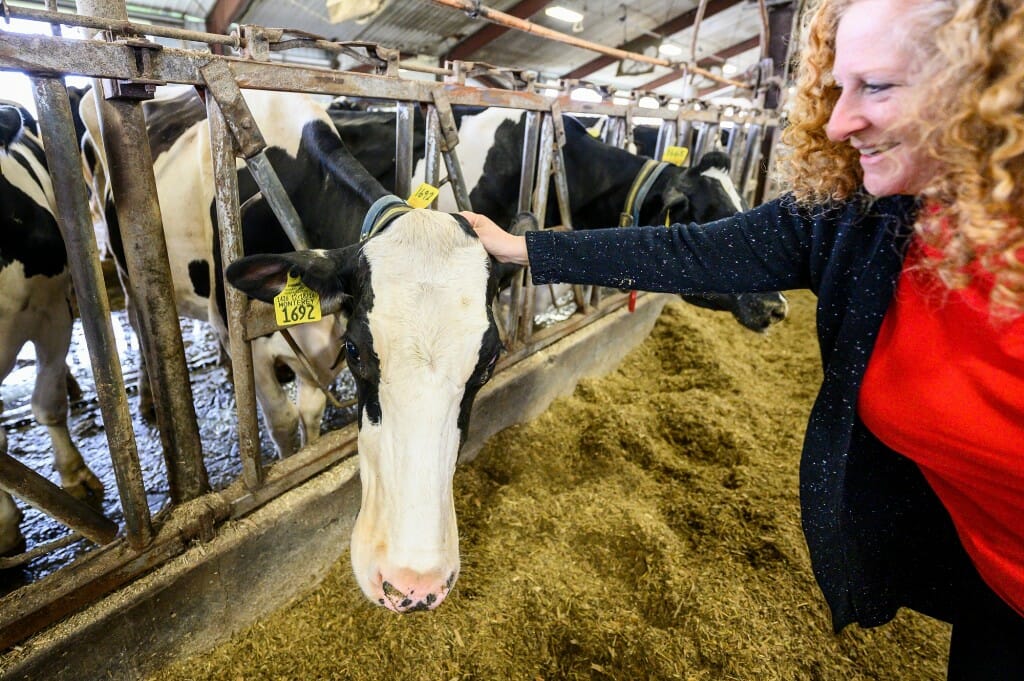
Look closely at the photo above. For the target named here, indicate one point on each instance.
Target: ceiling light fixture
(563, 14)
(670, 49)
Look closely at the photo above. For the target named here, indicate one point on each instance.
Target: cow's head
(702, 193)
(420, 342)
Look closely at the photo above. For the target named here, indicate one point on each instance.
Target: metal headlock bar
(221, 85)
(135, 66)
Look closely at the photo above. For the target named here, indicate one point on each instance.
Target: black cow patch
(199, 275)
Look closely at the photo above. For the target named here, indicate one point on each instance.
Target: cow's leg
(312, 403)
(281, 416)
(147, 408)
(50, 408)
(74, 390)
(11, 539)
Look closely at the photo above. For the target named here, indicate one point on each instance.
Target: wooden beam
(680, 23)
(706, 63)
(490, 32)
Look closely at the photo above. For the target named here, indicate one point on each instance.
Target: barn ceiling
(729, 34)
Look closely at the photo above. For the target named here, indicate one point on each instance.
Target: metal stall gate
(128, 68)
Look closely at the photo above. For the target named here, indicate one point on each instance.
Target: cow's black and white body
(179, 138)
(35, 305)
(600, 177)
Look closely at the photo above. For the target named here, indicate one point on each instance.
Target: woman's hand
(503, 246)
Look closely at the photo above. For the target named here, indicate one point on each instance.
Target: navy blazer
(877, 535)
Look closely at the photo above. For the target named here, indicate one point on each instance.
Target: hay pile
(645, 528)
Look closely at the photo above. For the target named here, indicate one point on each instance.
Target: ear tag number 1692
(423, 196)
(296, 303)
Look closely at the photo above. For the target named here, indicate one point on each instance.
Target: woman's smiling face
(874, 70)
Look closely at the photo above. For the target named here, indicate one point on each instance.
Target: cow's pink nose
(407, 591)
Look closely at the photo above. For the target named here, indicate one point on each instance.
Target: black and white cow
(420, 341)
(600, 177)
(35, 306)
(179, 139)
(415, 329)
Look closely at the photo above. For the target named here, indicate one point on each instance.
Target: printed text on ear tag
(423, 196)
(675, 155)
(296, 303)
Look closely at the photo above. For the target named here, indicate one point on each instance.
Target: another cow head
(703, 193)
(420, 342)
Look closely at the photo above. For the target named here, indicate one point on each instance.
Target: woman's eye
(874, 88)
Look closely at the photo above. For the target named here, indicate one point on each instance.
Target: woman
(906, 218)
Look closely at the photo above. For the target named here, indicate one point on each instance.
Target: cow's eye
(352, 352)
(486, 375)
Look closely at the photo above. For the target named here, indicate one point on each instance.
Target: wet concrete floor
(215, 411)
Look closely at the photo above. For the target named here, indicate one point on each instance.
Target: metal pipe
(116, 25)
(666, 138)
(277, 198)
(510, 21)
(229, 224)
(451, 162)
(431, 149)
(18, 479)
(528, 168)
(64, 161)
(404, 119)
(130, 168)
(750, 154)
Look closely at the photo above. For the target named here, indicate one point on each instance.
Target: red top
(945, 387)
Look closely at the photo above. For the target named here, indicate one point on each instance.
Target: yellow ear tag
(675, 155)
(423, 196)
(296, 303)
(594, 132)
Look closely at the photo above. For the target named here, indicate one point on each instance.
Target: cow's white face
(427, 325)
(420, 342)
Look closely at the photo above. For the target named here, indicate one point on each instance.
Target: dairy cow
(415, 327)
(420, 341)
(179, 139)
(36, 303)
(600, 177)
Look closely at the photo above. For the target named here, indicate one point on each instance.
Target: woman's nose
(846, 118)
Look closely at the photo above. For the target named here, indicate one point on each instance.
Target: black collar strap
(630, 216)
(381, 213)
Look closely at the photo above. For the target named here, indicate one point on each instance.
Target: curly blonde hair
(970, 111)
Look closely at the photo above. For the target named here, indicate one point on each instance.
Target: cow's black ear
(675, 196)
(329, 273)
(503, 271)
(523, 223)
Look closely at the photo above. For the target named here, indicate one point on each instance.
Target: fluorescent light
(670, 49)
(585, 94)
(563, 14)
(728, 68)
(648, 102)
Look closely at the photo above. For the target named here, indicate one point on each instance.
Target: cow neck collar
(642, 183)
(381, 213)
